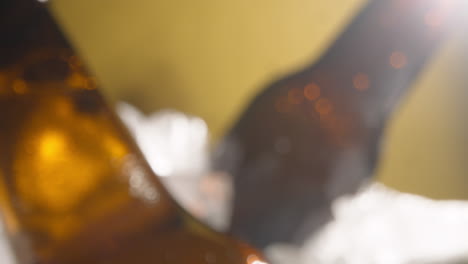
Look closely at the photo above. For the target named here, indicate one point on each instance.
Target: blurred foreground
(378, 225)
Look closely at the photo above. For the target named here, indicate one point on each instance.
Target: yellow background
(208, 57)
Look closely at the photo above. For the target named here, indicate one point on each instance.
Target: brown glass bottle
(74, 187)
(314, 135)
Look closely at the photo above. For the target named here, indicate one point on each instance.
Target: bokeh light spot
(323, 106)
(19, 86)
(398, 60)
(52, 143)
(77, 80)
(312, 91)
(115, 147)
(361, 82)
(254, 259)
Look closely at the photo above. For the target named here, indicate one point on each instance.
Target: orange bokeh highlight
(323, 106)
(20, 86)
(398, 60)
(361, 82)
(312, 91)
(78, 80)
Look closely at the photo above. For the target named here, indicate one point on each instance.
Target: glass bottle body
(74, 187)
(315, 135)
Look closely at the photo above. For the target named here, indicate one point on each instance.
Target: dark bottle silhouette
(74, 188)
(315, 135)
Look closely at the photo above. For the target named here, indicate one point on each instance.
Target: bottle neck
(382, 51)
(414, 28)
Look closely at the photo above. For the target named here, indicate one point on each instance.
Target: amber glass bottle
(314, 135)
(74, 187)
